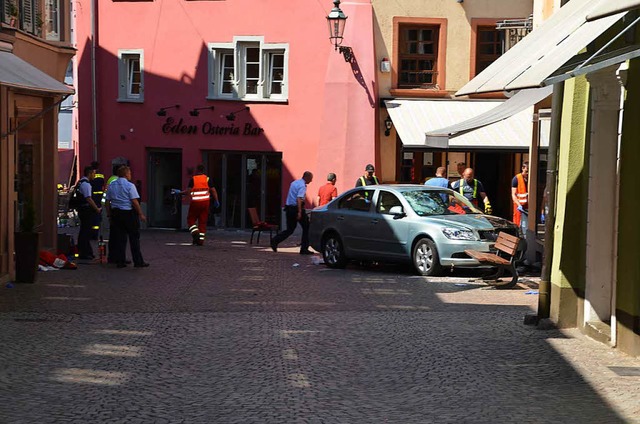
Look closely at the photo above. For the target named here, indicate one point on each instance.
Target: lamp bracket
(347, 52)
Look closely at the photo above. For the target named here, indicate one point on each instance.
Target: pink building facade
(252, 90)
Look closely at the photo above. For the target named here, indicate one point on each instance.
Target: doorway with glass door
(245, 180)
(164, 176)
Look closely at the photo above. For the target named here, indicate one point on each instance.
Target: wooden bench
(506, 246)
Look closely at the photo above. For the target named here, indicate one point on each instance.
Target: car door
(389, 233)
(353, 220)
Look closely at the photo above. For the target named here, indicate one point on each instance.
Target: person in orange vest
(520, 197)
(201, 190)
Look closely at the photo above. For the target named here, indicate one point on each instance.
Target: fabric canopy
(538, 55)
(15, 72)
(413, 119)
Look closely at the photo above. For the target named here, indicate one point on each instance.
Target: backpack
(76, 199)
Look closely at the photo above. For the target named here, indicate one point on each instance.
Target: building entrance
(245, 180)
(165, 173)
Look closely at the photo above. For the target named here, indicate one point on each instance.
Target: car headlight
(457, 234)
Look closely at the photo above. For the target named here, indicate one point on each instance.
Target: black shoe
(306, 252)
(121, 265)
(274, 246)
(142, 265)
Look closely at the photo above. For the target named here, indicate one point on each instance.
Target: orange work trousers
(198, 211)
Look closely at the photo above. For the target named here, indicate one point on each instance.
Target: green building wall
(569, 250)
(628, 267)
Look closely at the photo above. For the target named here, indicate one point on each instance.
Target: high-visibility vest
(474, 197)
(109, 181)
(97, 181)
(364, 182)
(522, 192)
(200, 189)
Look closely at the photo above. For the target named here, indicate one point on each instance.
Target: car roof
(407, 187)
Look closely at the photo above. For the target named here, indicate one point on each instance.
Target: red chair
(260, 226)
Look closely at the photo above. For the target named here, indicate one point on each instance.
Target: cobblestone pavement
(234, 333)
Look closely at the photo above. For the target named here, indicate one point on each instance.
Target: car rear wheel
(333, 251)
(425, 257)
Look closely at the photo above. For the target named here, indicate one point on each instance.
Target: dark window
(489, 46)
(358, 201)
(386, 201)
(418, 56)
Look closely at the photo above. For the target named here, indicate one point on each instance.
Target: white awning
(521, 101)
(413, 119)
(612, 7)
(544, 50)
(15, 72)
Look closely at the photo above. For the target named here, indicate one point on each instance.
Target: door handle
(374, 221)
(340, 218)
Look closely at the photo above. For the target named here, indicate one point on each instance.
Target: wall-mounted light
(385, 65)
(196, 111)
(337, 21)
(232, 115)
(163, 110)
(388, 123)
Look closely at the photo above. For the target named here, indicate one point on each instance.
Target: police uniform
(97, 191)
(106, 223)
(297, 190)
(87, 218)
(124, 222)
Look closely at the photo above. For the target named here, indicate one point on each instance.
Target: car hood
(473, 221)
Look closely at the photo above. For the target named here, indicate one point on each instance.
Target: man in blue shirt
(87, 213)
(295, 212)
(123, 208)
(440, 180)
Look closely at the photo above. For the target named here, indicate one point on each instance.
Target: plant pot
(27, 251)
(13, 21)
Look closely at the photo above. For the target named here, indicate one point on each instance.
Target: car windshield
(439, 202)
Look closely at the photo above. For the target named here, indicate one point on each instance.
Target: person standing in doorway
(440, 180)
(295, 213)
(125, 212)
(473, 190)
(328, 192)
(460, 167)
(368, 178)
(87, 213)
(520, 197)
(201, 189)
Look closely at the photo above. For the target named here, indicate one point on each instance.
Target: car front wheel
(425, 257)
(333, 252)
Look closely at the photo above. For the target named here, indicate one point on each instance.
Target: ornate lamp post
(337, 20)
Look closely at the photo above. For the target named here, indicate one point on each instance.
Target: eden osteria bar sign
(171, 126)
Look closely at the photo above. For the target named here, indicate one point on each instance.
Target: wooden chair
(506, 248)
(259, 226)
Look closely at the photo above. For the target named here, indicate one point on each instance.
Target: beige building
(35, 50)
(426, 51)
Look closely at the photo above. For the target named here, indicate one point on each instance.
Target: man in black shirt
(368, 178)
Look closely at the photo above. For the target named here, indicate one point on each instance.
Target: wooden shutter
(28, 15)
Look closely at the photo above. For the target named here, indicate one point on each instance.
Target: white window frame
(124, 79)
(239, 48)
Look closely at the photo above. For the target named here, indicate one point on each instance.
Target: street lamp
(337, 20)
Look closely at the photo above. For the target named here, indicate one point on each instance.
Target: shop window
(489, 46)
(131, 76)
(418, 56)
(248, 69)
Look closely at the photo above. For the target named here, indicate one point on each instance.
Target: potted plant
(27, 246)
(13, 14)
(39, 24)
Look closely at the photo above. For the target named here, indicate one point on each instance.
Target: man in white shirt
(295, 212)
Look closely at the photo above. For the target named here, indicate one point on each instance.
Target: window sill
(121, 100)
(245, 100)
(419, 92)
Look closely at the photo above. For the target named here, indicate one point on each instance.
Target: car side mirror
(397, 212)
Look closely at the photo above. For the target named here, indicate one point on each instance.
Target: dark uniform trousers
(87, 216)
(291, 213)
(125, 224)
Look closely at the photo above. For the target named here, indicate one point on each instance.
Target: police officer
(368, 178)
(87, 213)
(472, 189)
(295, 212)
(123, 208)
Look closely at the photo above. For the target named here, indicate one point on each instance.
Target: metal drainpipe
(94, 103)
(544, 298)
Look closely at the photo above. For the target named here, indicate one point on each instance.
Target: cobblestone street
(234, 333)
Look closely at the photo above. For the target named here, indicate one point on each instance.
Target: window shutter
(6, 8)
(28, 15)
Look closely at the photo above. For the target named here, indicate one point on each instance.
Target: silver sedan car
(428, 226)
